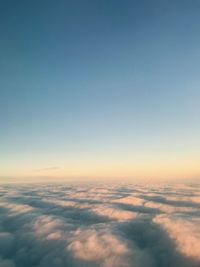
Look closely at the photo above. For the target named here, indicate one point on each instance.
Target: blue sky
(88, 85)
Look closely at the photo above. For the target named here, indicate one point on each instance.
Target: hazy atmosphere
(99, 89)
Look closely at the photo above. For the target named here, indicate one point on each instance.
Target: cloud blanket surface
(107, 225)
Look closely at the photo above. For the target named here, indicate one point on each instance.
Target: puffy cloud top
(99, 226)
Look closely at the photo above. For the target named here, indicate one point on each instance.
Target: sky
(99, 89)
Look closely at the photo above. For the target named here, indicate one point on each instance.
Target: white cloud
(185, 233)
(16, 209)
(130, 200)
(103, 248)
(99, 226)
(114, 213)
(168, 208)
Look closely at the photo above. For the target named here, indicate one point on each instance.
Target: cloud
(45, 226)
(135, 201)
(98, 247)
(185, 232)
(6, 242)
(53, 168)
(114, 213)
(6, 263)
(62, 225)
(164, 208)
(16, 209)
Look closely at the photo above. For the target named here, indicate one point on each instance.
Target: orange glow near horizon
(93, 169)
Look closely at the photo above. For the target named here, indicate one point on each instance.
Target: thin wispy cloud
(46, 169)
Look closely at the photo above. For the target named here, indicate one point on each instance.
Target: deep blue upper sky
(95, 79)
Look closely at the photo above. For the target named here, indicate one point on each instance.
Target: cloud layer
(114, 225)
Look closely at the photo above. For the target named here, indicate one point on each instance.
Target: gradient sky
(101, 88)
